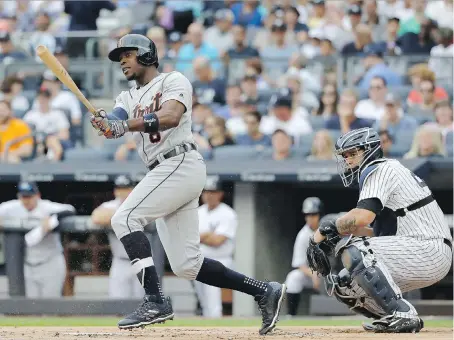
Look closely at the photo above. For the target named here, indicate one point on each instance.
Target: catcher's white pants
(123, 282)
(296, 281)
(408, 263)
(170, 195)
(210, 297)
(45, 280)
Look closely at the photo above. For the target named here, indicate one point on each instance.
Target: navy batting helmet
(312, 205)
(365, 139)
(147, 54)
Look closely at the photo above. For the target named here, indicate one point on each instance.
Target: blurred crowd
(268, 76)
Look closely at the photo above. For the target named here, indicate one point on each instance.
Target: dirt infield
(209, 333)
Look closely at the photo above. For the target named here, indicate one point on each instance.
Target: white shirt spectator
(48, 123)
(441, 12)
(368, 109)
(441, 61)
(219, 40)
(295, 126)
(42, 38)
(236, 126)
(67, 101)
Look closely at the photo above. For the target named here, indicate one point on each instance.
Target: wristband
(151, 123)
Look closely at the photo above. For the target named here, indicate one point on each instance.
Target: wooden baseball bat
(57, 68)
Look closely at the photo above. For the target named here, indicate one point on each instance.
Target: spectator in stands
(328, 53)
(8, 52)
(374, 106)
(276, 54)
(386, 141)
(184, 13)
(375, 66)
(440, 11)
(362, 38)
(427, 106)
(441, 56)
(282, 145)
(194, 48)
(13, 129)
(240, 48)
(390, 45)
(353, 19)
(251, 94)
(393, 120)
(125, 150)
(236, 124)
(247, 13)
(322, 147)
(60, 99)
(413, 23)
(220, 35)
(419, 43)
(283, 117)
(427, 142)
(83, 18)
(376, 23)
(346, 120)
(298, 64)
(443, 116)
(317, 19)
(208, 89)
(232, 99)
(291, 18)
(217, 133)
(42, 35)
(200, 112)
(311, 48)
(255, 65)
(51, 123)
(253, 136)
(328, 102)
(303, 101)
(12, 92)
(158, 35)
(417, 73)
(175, 43)
(62, 56)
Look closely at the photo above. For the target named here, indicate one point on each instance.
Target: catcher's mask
(354, 151)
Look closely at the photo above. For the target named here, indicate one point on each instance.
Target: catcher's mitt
(318, 254)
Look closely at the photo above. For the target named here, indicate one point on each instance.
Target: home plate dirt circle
(210, 333)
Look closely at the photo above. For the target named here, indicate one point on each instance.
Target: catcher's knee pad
(372, 280)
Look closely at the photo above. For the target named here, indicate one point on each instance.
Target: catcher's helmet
(147, 54)
(366, 139)
(312, 205)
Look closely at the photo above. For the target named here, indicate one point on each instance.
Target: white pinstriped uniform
(416, 257)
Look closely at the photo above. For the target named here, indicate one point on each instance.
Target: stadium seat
(335, 134)
(236, 152)
(85, 154)
(398, 151)
(305, 143)
(404, 139)
(110, 146)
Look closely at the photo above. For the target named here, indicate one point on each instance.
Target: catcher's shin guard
(374, 282)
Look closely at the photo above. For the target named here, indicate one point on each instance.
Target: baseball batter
(45, 265)
(157, 111)
(302, 276)
(414, 246)
(217, 225)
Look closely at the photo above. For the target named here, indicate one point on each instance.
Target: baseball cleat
(392, 324)
(270, 305)
(148, 313)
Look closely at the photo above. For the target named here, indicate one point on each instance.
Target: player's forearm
(354, 220)
(166, 118)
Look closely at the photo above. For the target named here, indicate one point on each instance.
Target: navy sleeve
(371, 204)
(118, 113)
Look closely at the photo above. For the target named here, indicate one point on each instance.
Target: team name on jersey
(140, 111)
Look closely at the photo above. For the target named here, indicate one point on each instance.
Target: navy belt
(178, 150)
(403, 211)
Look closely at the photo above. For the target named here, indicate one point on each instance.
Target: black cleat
(270, 305)
(148, 313)
(393, 324)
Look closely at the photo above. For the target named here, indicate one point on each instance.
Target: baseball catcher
(407, 247)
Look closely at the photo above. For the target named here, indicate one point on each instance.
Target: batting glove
(116, 129)
(99, 120)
